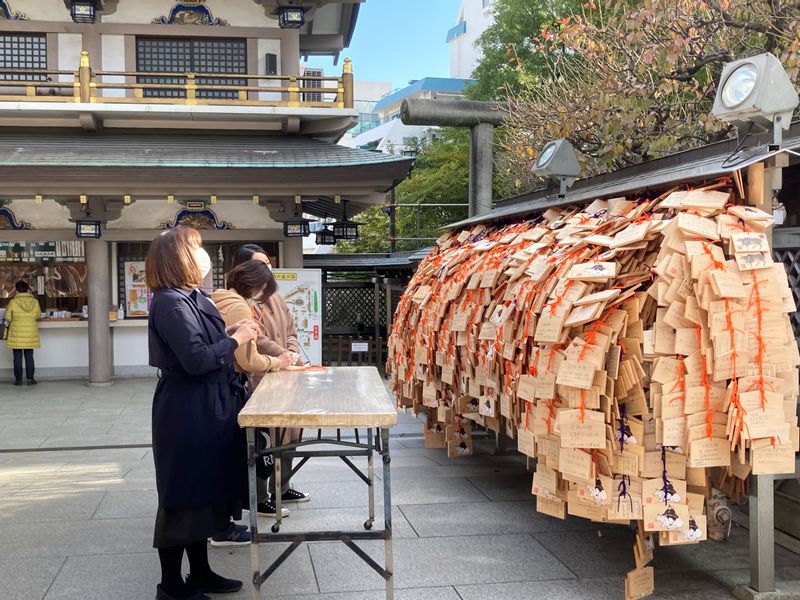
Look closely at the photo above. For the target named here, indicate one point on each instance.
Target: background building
(394, 137)
(93, 137)
(474, 17)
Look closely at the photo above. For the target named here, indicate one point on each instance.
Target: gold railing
(137, 87)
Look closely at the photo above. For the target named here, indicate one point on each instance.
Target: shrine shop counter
(322, 401)
(64, 352)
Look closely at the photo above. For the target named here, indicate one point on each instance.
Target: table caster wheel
(276, 528)
(368, 524)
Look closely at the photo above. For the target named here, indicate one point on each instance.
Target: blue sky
(398, 40)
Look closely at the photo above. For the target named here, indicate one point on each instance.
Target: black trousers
(29, 366)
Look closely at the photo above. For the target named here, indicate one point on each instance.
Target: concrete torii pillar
(481, 118)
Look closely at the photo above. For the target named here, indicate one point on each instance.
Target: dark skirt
(180, 526)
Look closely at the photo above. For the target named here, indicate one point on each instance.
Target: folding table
(322, 398)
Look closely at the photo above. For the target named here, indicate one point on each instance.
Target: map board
(302, 290)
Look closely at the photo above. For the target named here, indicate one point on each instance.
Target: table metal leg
(276, 460)
(371, 480)
(255, 559)
(762, 534)
(387, 514)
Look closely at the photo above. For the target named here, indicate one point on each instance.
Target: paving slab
(436, 593)
(295, 576)
(135, 576)
(435, 562)
(592, 589)
(730, 578)
(128, 504)
(346, 494)
(590, 554)
(442, 520)
(345, 519)
(99, 439)
(39, 508)
(432, 471)
(505, 487)
(41, 540)
(28, 578)
(715, 556)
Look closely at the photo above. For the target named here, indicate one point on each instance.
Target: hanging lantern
(83, 11)
(297, 226)
(344, 229)
(291, 17)
(85, 228)
(325, 237)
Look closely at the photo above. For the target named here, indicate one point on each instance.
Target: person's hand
(245, 332)
(231, 329)
(285, 360)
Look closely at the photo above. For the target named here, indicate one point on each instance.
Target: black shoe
(268, 509)
(213, 584)
(18, 382)
(31, 382)
(293, 495)
(162, 595)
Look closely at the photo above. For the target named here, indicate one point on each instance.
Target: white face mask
(203, 261)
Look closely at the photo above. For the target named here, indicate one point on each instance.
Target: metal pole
(388, 310)
(762, 534)
(255, 559)
(418, 225)
(376, 315)
(387, 514)
(371, 477)
(276, 462)
(481, 149)
(392, 222)
(763, 182)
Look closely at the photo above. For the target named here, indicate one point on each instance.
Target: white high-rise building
(474, 17)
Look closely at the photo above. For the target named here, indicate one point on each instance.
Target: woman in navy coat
(198, 447)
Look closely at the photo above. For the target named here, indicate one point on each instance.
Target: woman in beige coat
(278, 337)
(251, 281)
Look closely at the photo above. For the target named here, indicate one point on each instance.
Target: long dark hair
(251, 278)
(245, 253)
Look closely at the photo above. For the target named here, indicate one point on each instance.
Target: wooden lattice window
(352, 307)
(23, 51)
(196, 55)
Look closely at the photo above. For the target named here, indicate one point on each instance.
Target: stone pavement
(76, 524)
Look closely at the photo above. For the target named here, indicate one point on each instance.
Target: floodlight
(756, 92)
(557, 161)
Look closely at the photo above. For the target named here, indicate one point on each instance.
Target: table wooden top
(336, 397)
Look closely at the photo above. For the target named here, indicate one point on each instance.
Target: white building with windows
(394, 137)
(474, 17)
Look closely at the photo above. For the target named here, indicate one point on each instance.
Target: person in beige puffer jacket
(247, 281)
(23, 333)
